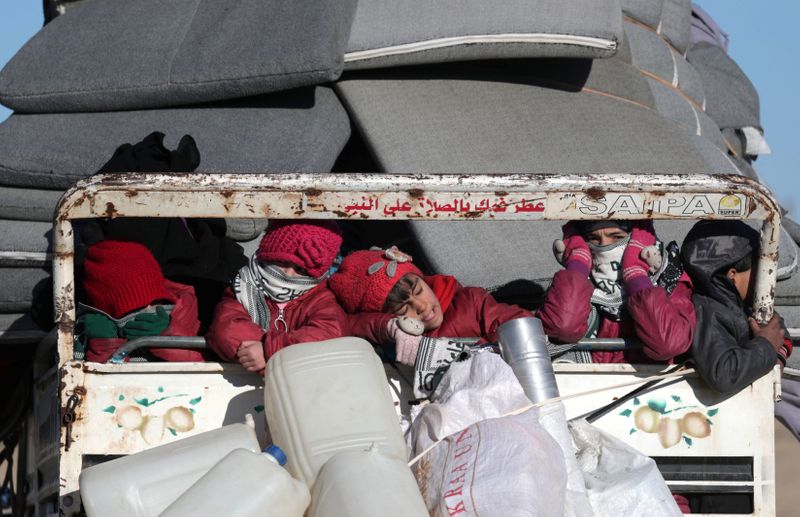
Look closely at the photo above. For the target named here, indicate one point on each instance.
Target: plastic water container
(244, 484)
(327, 397)
(144, 484)
(523, 345)
(366, 484)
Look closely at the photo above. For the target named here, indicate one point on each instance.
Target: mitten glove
(573, 252)
(98, 326)
(638, 256)
(406, 343)
(147, 324)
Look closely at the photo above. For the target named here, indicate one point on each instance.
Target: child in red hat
(281, 297)
(386, 296)
(128, 297)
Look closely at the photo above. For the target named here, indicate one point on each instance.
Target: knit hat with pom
(310, 245)
(121, 276)
(365, 278)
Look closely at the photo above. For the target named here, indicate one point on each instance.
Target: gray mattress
(107, 55)
(389, 33)
(28, 204)
(299, 131)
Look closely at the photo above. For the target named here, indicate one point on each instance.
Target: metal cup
(523, 345)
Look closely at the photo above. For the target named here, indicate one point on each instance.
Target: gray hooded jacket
(726, 355)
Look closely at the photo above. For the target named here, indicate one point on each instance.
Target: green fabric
(98, 326)
(147, 324)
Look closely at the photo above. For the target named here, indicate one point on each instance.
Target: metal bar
(194, 342)
(767, 272)
(64, 284)
(608, 344)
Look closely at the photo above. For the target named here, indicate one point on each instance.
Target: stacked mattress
(453, 86)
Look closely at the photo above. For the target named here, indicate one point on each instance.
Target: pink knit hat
(365, 278)
(121, 276)
(310, 245)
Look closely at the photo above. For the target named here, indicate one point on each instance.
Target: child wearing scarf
(424, 321)
(128, 297)
(281, 297)
(619, 282)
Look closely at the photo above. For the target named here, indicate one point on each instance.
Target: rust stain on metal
(313, 192)
(658, 193)
(342, 214)
(595, 193)
(752, 205)
(67, 208)
(226, 193)
(80, 391)
(131, 192)
(63, 254)
(500, 193)
(472, 215)
(111, 212)
(416, 193)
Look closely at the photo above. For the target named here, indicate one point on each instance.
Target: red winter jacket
(183, 321)
(314, 316)
(665, 324)
(471, 313)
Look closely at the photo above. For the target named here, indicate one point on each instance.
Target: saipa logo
(730, 205)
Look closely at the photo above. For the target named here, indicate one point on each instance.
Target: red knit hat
(365, 278)
(122, 276)
(311, 245)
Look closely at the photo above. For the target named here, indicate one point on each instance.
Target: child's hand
(573, 251)
(634, 266)
(251, 355)
(406, 345)
(98, 326)
(772, 331)
(147, 324)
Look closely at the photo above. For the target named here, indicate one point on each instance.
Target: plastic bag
(500, 466)
(619, 479)
(486, 465)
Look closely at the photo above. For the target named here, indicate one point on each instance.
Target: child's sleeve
(664, 323)
(325, 320)
(493, 313)
(183, 321)
(231, 325)
(727, 362)
(566, 308)
(372, 326)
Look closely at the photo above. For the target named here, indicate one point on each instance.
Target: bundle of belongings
(472, 440)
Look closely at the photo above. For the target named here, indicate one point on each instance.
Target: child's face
(606, 236)
(290, 269)
(422, 304)
(744, 282)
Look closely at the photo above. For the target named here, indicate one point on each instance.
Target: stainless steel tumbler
(523, 345)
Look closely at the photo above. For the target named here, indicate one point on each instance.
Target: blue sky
(761, 42)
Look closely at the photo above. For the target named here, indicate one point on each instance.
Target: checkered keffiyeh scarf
(256, 282)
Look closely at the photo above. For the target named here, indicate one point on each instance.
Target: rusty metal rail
(419, 197)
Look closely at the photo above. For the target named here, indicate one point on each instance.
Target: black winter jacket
(726, 355)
